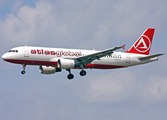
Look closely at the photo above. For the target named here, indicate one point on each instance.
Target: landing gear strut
(70, 76)
(24, 67)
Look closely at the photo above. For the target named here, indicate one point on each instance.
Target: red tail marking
(143, 44)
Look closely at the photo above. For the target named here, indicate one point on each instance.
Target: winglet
(123, 46)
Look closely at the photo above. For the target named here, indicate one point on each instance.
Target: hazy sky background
(135, 93)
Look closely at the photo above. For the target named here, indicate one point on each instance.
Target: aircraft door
(26, 53)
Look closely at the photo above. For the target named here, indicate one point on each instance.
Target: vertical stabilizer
(143, 44)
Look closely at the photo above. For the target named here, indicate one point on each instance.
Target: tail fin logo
(143, 44)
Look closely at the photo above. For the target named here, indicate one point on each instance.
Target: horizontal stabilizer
(149, 57)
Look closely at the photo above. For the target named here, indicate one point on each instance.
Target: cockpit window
(13, 51)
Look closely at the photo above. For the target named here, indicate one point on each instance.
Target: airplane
(52, 60)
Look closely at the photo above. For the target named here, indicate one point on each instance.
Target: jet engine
(48, 69)
(65, 63)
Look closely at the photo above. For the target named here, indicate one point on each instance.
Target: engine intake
(48, 69)
(66, 63)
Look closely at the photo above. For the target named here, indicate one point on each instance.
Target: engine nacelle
(48, 69)
(65, 64)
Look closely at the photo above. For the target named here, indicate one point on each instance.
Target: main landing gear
(24, 67)
(71, 76)
(83, 73)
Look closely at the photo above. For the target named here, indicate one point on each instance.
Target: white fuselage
(52, 60)
(49, 56)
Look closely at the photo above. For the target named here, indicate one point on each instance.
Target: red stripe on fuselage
(51, 63)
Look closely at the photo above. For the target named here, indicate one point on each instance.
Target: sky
(133, 93)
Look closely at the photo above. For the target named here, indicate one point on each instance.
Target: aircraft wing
(149, 57)
(84, 60)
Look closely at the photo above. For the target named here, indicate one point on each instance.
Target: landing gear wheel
(23, 72)
(83, 73)
(70, 76)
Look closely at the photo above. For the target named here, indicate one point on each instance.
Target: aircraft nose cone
(4, 56)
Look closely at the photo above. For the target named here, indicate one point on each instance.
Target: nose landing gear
(24, 67)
